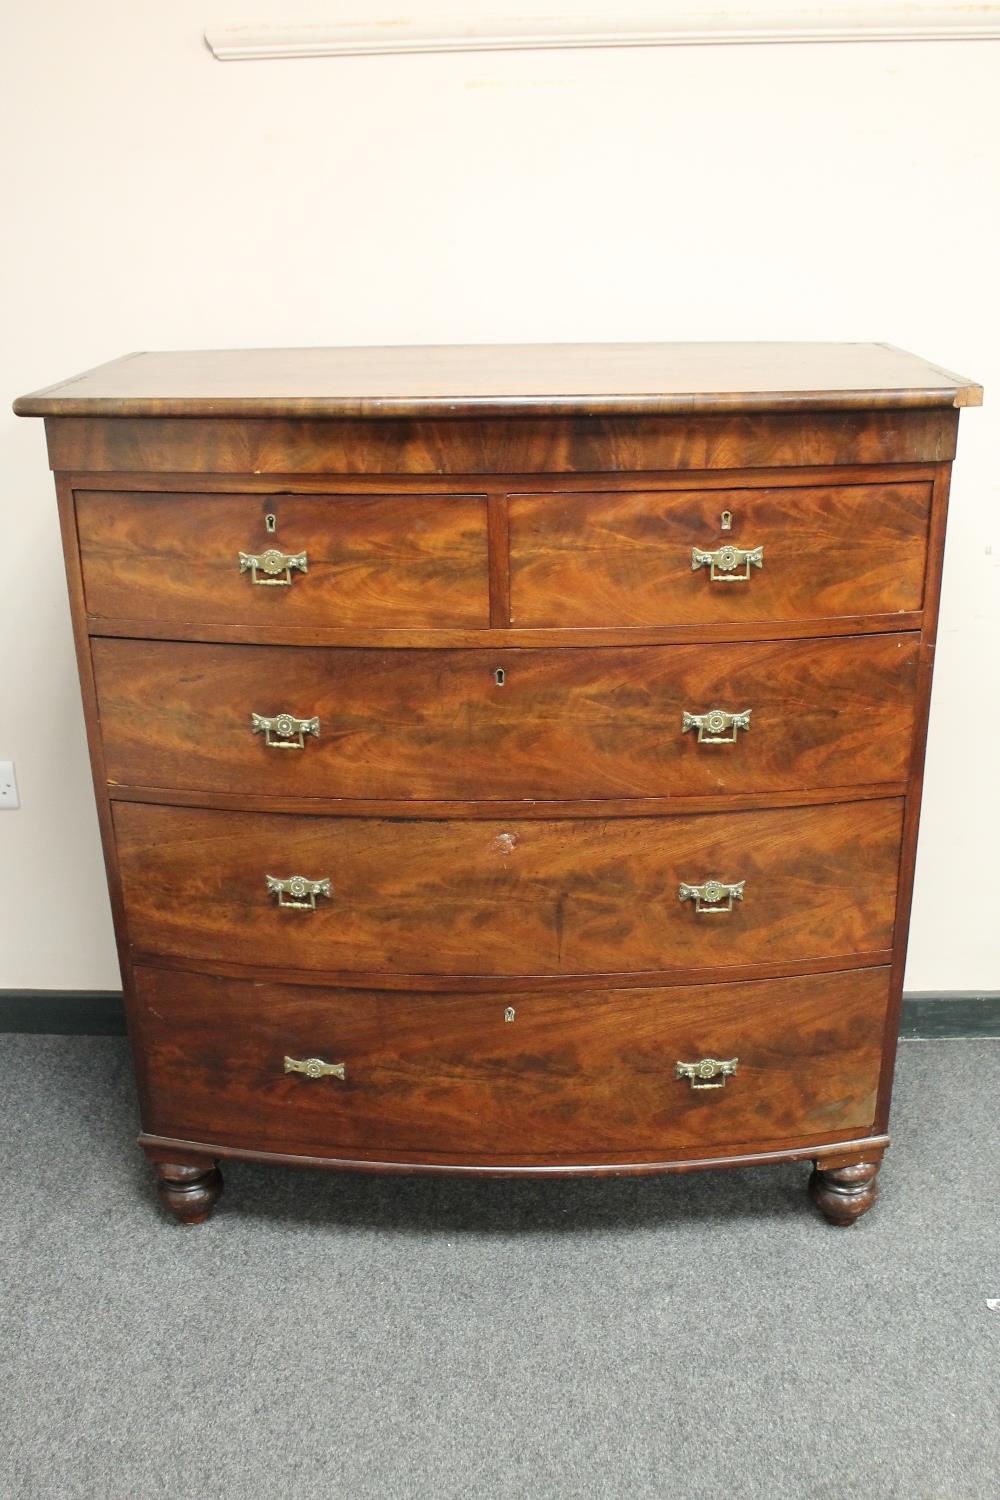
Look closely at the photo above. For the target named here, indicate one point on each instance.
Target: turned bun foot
(843, 1194)
(189, 1192)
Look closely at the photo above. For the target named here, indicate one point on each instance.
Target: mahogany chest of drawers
(509, 759)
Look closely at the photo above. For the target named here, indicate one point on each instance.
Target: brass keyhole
(499, 676)
(270, 523)
(509, 1013)
(726, 520)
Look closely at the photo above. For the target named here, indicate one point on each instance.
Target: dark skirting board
(954, 1013)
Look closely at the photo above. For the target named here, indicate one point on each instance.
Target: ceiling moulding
(663, 25)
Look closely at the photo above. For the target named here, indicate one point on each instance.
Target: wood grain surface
(578, 1076)
(405, 560)
(573, 723)
(518, 897)
(439, 638)
(481, 379)
(626, 559)
(497, 445)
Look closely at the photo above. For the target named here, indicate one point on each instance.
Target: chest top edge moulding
(634, 25)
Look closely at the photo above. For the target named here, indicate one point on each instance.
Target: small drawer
(510, 1079)
(381, 561)
(524, 897)
(633, 721)
(666, 557)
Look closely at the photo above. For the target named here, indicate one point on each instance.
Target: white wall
(159, 199)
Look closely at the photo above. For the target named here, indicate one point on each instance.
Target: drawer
(376, 560)
(572, 1077)
(627, 557)
(564, 723)
(517, 897)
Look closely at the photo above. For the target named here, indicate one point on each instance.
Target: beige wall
(161, 199)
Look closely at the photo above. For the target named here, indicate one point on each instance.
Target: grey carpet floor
(360, 1337)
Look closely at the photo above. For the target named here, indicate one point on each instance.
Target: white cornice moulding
(662, 25)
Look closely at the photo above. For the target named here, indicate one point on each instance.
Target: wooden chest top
(450, 380)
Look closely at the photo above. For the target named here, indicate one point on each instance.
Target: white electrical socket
(8, 785)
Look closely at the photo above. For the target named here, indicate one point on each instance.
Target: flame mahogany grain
(625, 559)
(574, 896)
(567, 723)
(576, 1077)
(406, 560)
(498, 445)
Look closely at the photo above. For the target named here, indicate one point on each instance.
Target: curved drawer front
(493, 1078)
(595, 559)
(489, 725)
(349, 560)
(521, 897)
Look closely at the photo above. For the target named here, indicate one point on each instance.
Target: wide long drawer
(506, 1078)
(518, 897)
(331, 560)
(654, 557)
(487, 725)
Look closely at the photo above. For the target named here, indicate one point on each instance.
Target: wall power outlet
(8, 785)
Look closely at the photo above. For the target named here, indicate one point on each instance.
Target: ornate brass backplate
(708, 1072)
(315, 1067)
(276, 566)
(712, 895)
(284, 731)
(718, 726)
(296, 892)
(724, 563)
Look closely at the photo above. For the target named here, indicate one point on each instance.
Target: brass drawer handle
(712, 895)
(291, 732)
(315, 1067)
(702, 1074)
(712, 726)
(297, 893)
(722, 564)
(274, 564)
